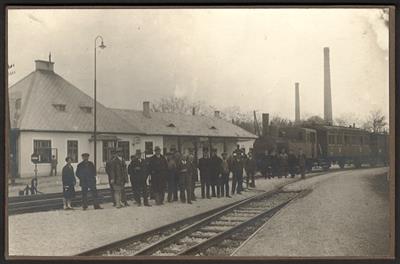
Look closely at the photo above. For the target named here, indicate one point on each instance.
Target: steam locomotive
(325, 145)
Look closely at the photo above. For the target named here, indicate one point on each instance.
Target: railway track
(217, 232)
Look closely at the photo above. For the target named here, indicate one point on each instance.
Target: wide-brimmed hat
(157, 148)
(85, 155)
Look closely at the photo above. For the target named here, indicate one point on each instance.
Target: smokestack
(216, 114)
(265, 124)
(193, 111)
(297, 104)
(327, 88)
(146, 109)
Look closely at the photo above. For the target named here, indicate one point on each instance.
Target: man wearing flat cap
(158, 168)
(138, 175)
(86, 173)
(118, 177)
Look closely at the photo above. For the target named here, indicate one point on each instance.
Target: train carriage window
(312, 137)
(300, 136)
(346, 140)
(331, 139)
(339, 139)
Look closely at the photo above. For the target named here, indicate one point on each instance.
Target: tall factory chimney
(265, 124)
(327, 88)
(297, 103)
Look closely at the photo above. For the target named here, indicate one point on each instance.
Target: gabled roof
(43, 95)
(41, 89)
(183, 125)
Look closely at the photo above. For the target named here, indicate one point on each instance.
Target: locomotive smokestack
(327, 88)
(265, 124)
(297, 104)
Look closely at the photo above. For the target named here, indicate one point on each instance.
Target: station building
(50, 116)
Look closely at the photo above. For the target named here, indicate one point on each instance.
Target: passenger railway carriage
(325, 145)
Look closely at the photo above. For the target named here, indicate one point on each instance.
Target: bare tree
(181, 105)
(313, 120)
(376, 121)
(280, 121)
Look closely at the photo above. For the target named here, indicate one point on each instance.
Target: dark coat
(215, 169)
(68, 176)
(250, 165)
(86, 173)
(117, 172)
(158, 170)
(292, 160)
(237, 167)
(137, 171)
(204, 167)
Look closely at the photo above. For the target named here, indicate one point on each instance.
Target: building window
(87, 109)
(72, 150)
(148, 146)
(60, 107)
(43, 149)
(108, 145)
(124, 145)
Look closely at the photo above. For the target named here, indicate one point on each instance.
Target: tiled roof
(41, 90)
(182, 124)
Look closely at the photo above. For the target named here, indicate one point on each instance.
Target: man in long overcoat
(237, 173)
(250, 167)
(118, 177)
(86, 173)
(138, 175)
(215, 171)
(204, 167)
(158, 167)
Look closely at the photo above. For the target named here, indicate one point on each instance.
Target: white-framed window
(43, 149)
(124, 145)
(148, 146)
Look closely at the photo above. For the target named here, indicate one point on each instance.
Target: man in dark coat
(237, 174)
(86, 173)
(108, 163)
(204, 167)
(171, 178)
(54, 163)
(158, 169)
(185, 168)
(68, 181)
(292, 163)
(250, 167)
(224, 180)
(301, 159)
(215, 171)
(118, 177)
(138, 175)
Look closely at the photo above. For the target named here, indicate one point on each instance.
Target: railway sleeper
(209, 229)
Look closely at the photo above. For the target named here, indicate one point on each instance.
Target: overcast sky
(249, 58)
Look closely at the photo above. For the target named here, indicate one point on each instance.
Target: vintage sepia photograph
(195, 132)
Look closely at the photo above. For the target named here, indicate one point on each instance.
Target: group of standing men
(177, 172)
(281, 164)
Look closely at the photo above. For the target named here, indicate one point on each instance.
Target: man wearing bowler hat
(118, 177)
(158, 168)
(86, 173)
(138, 175)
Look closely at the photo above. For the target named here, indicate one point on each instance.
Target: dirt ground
(346, 214)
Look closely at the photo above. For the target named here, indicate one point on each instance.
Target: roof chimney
(146, 109)
(217, 114)
(297, 103)
(327, 88)
(265, 124)
(42, 65)
(193, 111)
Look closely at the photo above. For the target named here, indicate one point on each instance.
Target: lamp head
(102, 46)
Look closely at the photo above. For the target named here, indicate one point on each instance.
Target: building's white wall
(59, 141)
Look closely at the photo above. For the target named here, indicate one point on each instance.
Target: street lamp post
(102, 46)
